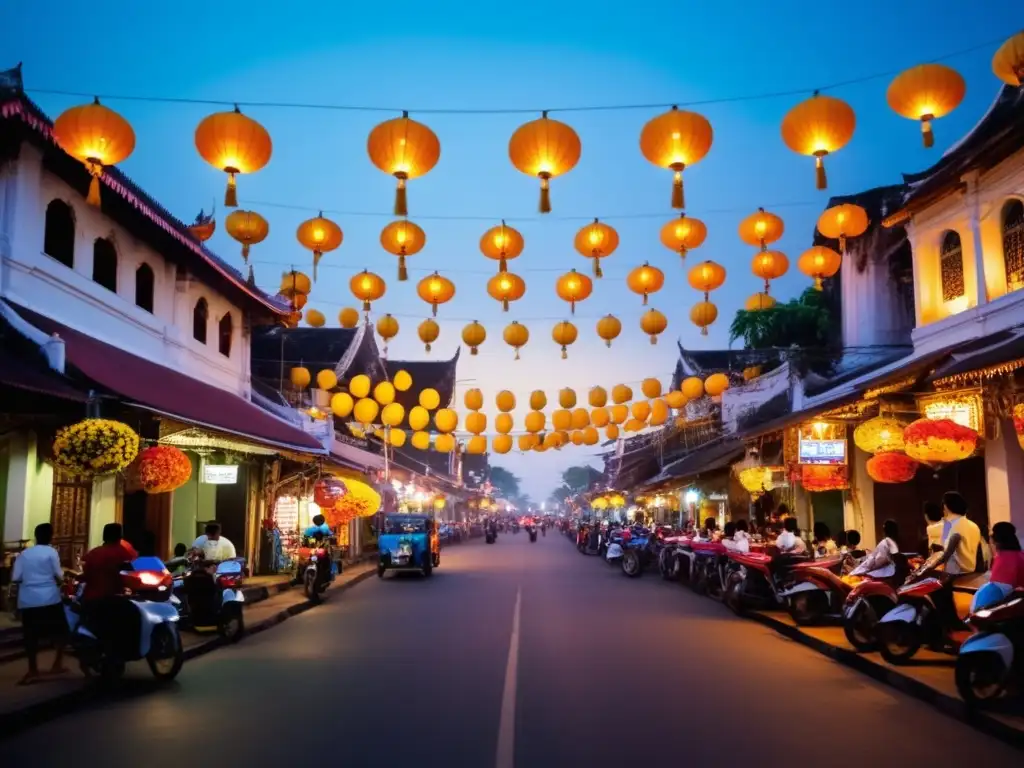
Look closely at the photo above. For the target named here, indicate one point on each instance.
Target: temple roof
(346, 351)
(435, 374)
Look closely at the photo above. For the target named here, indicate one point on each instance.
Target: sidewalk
(929, 676)
(24, 706)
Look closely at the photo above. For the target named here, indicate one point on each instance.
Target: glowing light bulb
(573, 285)
(676, 136)
(499, 241)
(682, 231)
(435, 286)
(318, 235)
(365, 283)
(401, 236)
(505, 284)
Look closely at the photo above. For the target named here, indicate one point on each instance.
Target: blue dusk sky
(530, 55)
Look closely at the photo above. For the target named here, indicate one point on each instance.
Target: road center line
(507, 720)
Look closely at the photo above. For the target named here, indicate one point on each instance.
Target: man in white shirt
(38, 574)
(789, 541)
(214, 547)
(880, 563)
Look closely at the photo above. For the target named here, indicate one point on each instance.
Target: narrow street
(607, 671)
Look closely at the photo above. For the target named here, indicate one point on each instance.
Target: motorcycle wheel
(166, 656)
(980, 678)
(734, 593)
(665, 565)
(805, 608)
(714, 588)
(631, 565)
(231, 626)
(860, 628)
(899, 641)
(107, 670)
(309, 587)
(699, 583)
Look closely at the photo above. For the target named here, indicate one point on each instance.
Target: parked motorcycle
(869, 600)
(640, 550)
(757, 580)
(990, 661)
(144, 625)
(676, 559)
(820, 589)
(710, 569)
(916, 621)
(210, 596)
(319, 569)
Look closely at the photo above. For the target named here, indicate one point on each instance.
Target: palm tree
(802, 322)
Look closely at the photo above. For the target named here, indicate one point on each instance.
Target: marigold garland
(817, 477)
(163, 468)
(95, 447)
(892, 467)
(939, 441)
(327, 491)
(879, 435)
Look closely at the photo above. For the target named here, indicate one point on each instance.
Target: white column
(859, 512)
(915, 260)
(974, 205)
(1004, 480)
(16, 499)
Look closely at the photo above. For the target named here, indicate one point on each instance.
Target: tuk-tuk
(409, 543)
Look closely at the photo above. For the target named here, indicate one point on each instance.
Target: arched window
(1013, 244)
(59, 237)
(952, 260)
(144, 285)
(224, 331)
(200, 316)
(104, 264)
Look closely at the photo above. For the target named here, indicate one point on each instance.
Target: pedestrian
(38, 575)
(1008, 564)
(936, 529)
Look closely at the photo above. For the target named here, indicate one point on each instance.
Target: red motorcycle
(710, 569)
(869, 600)
(758, 580)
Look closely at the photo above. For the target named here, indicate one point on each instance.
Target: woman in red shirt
(1008, 566)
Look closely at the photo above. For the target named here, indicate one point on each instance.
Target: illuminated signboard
(220, 474)
(965, 408)
(822, 451)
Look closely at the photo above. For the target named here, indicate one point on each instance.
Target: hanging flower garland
(163, 468)
(816, 478)
(939, 441)
(327, 491)
(1018, 422)
(892, 467)
(95, 447)
(881, 434)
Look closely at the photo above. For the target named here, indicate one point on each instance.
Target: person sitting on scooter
(935, 527)
(824, 544)
(213, 546)
(853, 545)
(880, 563)
(103, 604)
(960, 556)
(707, 533)
(741, 538)
(318, 528)
(789, 541)
(732, 541)
(1008, 565)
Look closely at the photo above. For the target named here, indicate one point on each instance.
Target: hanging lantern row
(705, 277)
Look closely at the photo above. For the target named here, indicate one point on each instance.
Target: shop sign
(286, 513)
(964, 408)
(822, 451)
(220, 474)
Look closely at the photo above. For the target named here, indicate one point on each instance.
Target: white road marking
(507, 721)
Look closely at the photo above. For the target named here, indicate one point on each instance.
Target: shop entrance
(69, 515)
(232, 504)
(827, 508)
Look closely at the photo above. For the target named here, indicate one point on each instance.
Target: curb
(18, 721)
(949, 705)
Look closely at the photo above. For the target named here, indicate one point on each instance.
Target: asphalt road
(592, 669)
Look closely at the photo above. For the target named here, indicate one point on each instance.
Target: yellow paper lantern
(651, 388)
(326, 379)
(706, 277)
(573, 287)
(419, 417)
(692, 388)
(473, 335)
(342, 404)
(1008, 61)
(406, 149)
(502, 444)
(645, 280)
(621, 394)
(684, 234)
(247, 228)
(315, 318)
(295, 283)
(300, 377)
(476, 422)
(96, 136)
(608, 328)
(402, 238)
(396, 437)
(819, 262)
(420, 440)
(387, 329)
(842, 221)
(504, 423)
(676, 399)
(384, 393)
(600, 417)
(526, 442)
(535, 421)
(619, 413)
(640, 410)
(538, 400)
(564, 334)
(505, 400)
(446, 420)
(576, 437)
(233, 143)
(444, 443)
(477, 445)
(761, 228)
(591, 436)
(544, 148)
(561, 419)
(366, 411)
(818, 126)
(402, 381)
(634, 425)
(675, 140)
(428, 331)
(597, 241)
(392, 414)
(319, 235)
(612, 432)
(759, 301)
(580, 418)
(359, 386)
(429, 398)
(516, 336)
(567, 398)
(653, 323)
(882, 434)
(348, 317)
(659, 412)
(716, 384)
(502, 243)
(435, 289)
(769, 265)
(473, 399)
(926, 92)
(506, 287)
(367, 287)
(597, 397)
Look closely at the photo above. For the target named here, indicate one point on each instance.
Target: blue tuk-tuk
(408, 543)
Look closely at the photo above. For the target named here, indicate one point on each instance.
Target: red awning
(165, 391)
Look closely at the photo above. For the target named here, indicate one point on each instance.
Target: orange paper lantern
(608, 328)
(473, 335)
(675, 140)
(387, 327)
(818, 126)
(247, 228)
(564, 334)
(1008, 61)
(706, 277)
(769, 265)
(653, 323)
(96, 136)
(842, 221)
(573, 287)
(402, 238)
(761, 229)
(683, 234)
(405, 149)
(502, 243)
(645, 280)
(367, 287)
(516, 336)
(819, 262)
(926, 92)
(506, 287)
(233, 143)
(428, 332)
(703, 314)
(544, 148)
(597, 241)
(319, 235)
(435, 290)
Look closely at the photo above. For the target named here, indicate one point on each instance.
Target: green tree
(505, 483)
(578, 479)
(803, 322)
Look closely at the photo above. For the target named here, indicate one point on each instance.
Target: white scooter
(986, 666)
(614, 554)
(147, 613)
